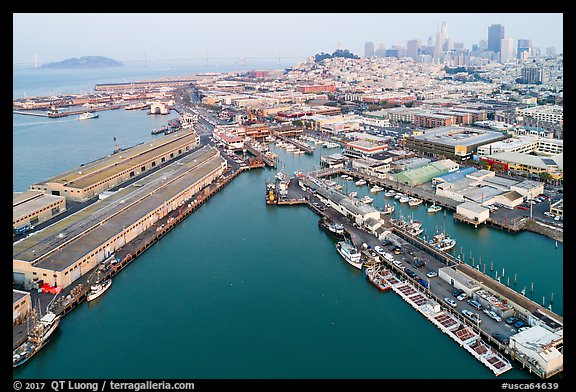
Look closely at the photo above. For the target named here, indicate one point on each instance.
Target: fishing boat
(36, 339)
(442, 242)
(349, 253)
(376, 189)
(390, 193)
(434, 209)
(360, 182)
(404, 199)
(88, 115)
(413, 202)
(367, 200)
(334, 229)
(98, 289)
(376, 276)
(388, 209)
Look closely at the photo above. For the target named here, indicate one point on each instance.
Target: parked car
(379, 249)
(398, 264)
(411, 273)
(475, 304)
(462, 297)
(450, 302)
(432, 274)
(511, 320)
(419, 263)
(501, 338)
(519, 324)
(457, 292)
(474, 317)
(423, 282)
(493, 315)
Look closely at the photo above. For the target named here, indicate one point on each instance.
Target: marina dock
(302, 146)
(258, 154)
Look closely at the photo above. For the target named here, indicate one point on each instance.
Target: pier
(258, 154)
(57, 114)
(302, 146)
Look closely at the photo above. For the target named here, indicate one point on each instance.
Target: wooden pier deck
(304, 147)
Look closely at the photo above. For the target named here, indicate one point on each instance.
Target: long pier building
(91, 179)
(63, 252)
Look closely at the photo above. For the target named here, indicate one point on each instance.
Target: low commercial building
(557, 208)
(90, 179)
(473, 212)
(21, 305)
(62, 253)
(231, 140)
(33, 207)
(363, 148)
(426, 173)
(553, 165)
(543, 348)
(460, 142)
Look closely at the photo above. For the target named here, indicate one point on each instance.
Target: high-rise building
(413, 48)
(458, 45)
(524, 45)
(551, 51)
(381, 51)
(533, 74)
(495, 36)
(369, 49)
(507, 50)
(441, 38)
(483, 44)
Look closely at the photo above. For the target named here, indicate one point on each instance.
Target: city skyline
(168, 36)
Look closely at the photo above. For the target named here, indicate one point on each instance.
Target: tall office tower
(448, 45)
(524, 45)
(483, 45)
(381, 51)
(441, 38)
(369, 49)
(495, 36)
(412, 48)
(506, 50)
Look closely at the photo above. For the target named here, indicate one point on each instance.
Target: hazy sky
(159, 36)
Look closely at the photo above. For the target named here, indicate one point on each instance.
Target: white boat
(98, 289)
(442, 242)
(376, 189)
(352, 194)
(388, 209)
(398, 196)
(367, 200)
(36, 339)
(434, 209)
(331, 145)
(413, 202)
(390, 193)
(338, 187)
(360, 182)
(88, 115)
(404, 199)
(349, 253)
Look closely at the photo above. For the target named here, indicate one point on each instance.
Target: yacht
(88, 115)
(352, 194)
(376, 189)
(413, 202)
(349, 253)
(398, 195)
(434, 209)
(390, 193)
(367, 200)
(404, 199)
(388, 209)
(360, 182)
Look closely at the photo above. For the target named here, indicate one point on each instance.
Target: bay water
(242, 290)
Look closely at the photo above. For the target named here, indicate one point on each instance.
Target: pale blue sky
(160, 36)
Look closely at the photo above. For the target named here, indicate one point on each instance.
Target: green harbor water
(244, 290)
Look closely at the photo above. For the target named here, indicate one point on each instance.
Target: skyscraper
(524, 45)
(495, 36)
(412, 48)
(441, 38)
(506, 50)
(369, 49)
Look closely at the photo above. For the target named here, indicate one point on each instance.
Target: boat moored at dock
(349, 253)
(98, 289)
(434, 209)
(36, 339)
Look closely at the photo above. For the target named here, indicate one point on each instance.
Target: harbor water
(244, 290)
